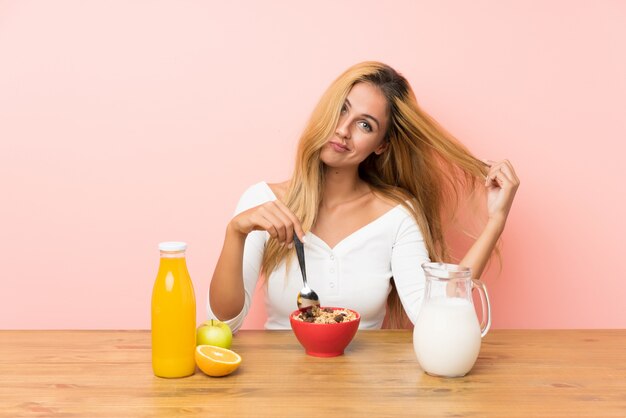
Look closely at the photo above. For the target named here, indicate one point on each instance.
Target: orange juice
(173, 315)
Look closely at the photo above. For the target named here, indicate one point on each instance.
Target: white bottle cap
(172, 246)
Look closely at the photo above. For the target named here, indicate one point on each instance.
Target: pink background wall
(123, 124)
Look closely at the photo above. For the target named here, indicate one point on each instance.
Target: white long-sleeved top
(355, 273)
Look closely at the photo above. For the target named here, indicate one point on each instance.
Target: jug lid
(447, 271)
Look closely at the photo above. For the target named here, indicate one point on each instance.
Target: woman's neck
(341, 186)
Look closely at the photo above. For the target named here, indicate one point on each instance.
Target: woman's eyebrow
(365, 115)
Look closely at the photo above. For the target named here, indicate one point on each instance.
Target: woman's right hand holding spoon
(273, 217)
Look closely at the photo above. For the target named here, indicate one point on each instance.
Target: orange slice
(216, 361)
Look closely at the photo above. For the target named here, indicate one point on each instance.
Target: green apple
(214, 332)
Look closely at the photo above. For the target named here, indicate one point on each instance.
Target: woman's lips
(338, 147)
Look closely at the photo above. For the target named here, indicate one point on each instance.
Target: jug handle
(485, 324)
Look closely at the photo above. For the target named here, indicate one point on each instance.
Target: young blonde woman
(373, 179)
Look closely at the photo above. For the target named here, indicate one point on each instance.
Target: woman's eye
(344, 109)
(366, 126)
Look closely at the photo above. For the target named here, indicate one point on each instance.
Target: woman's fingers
(501, 182)
(274, 217)
(508, 169)
(501, 174)
(490, 172)
(259, 222)
(286, 224)
(276, 228)
(295, 222)
(492, 176)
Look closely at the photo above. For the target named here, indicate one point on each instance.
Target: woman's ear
(382, 147)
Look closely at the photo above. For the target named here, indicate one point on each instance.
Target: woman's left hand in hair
(502, 184)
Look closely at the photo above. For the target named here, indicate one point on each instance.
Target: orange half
(216, 361)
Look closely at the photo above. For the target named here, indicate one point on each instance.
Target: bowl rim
(357, 319)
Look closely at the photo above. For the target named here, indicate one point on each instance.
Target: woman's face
(361, 128)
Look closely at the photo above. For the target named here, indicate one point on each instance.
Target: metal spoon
(307, 296)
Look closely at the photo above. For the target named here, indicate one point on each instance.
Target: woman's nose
(343, 128)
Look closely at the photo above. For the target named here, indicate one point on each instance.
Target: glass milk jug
(447, 335)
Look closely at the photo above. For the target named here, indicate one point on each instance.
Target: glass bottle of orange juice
(173, 315)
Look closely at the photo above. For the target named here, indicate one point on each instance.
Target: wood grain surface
(521, 373)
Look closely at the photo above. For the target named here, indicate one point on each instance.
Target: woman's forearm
(501, 184)
(480, 252)
(227, 290)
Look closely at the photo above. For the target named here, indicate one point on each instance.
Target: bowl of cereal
(325, 332)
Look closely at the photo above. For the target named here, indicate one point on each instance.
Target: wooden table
(518, 374)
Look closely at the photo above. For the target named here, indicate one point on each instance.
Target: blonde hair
(424, 168)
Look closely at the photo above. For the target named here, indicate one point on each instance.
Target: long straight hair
(424, 168)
